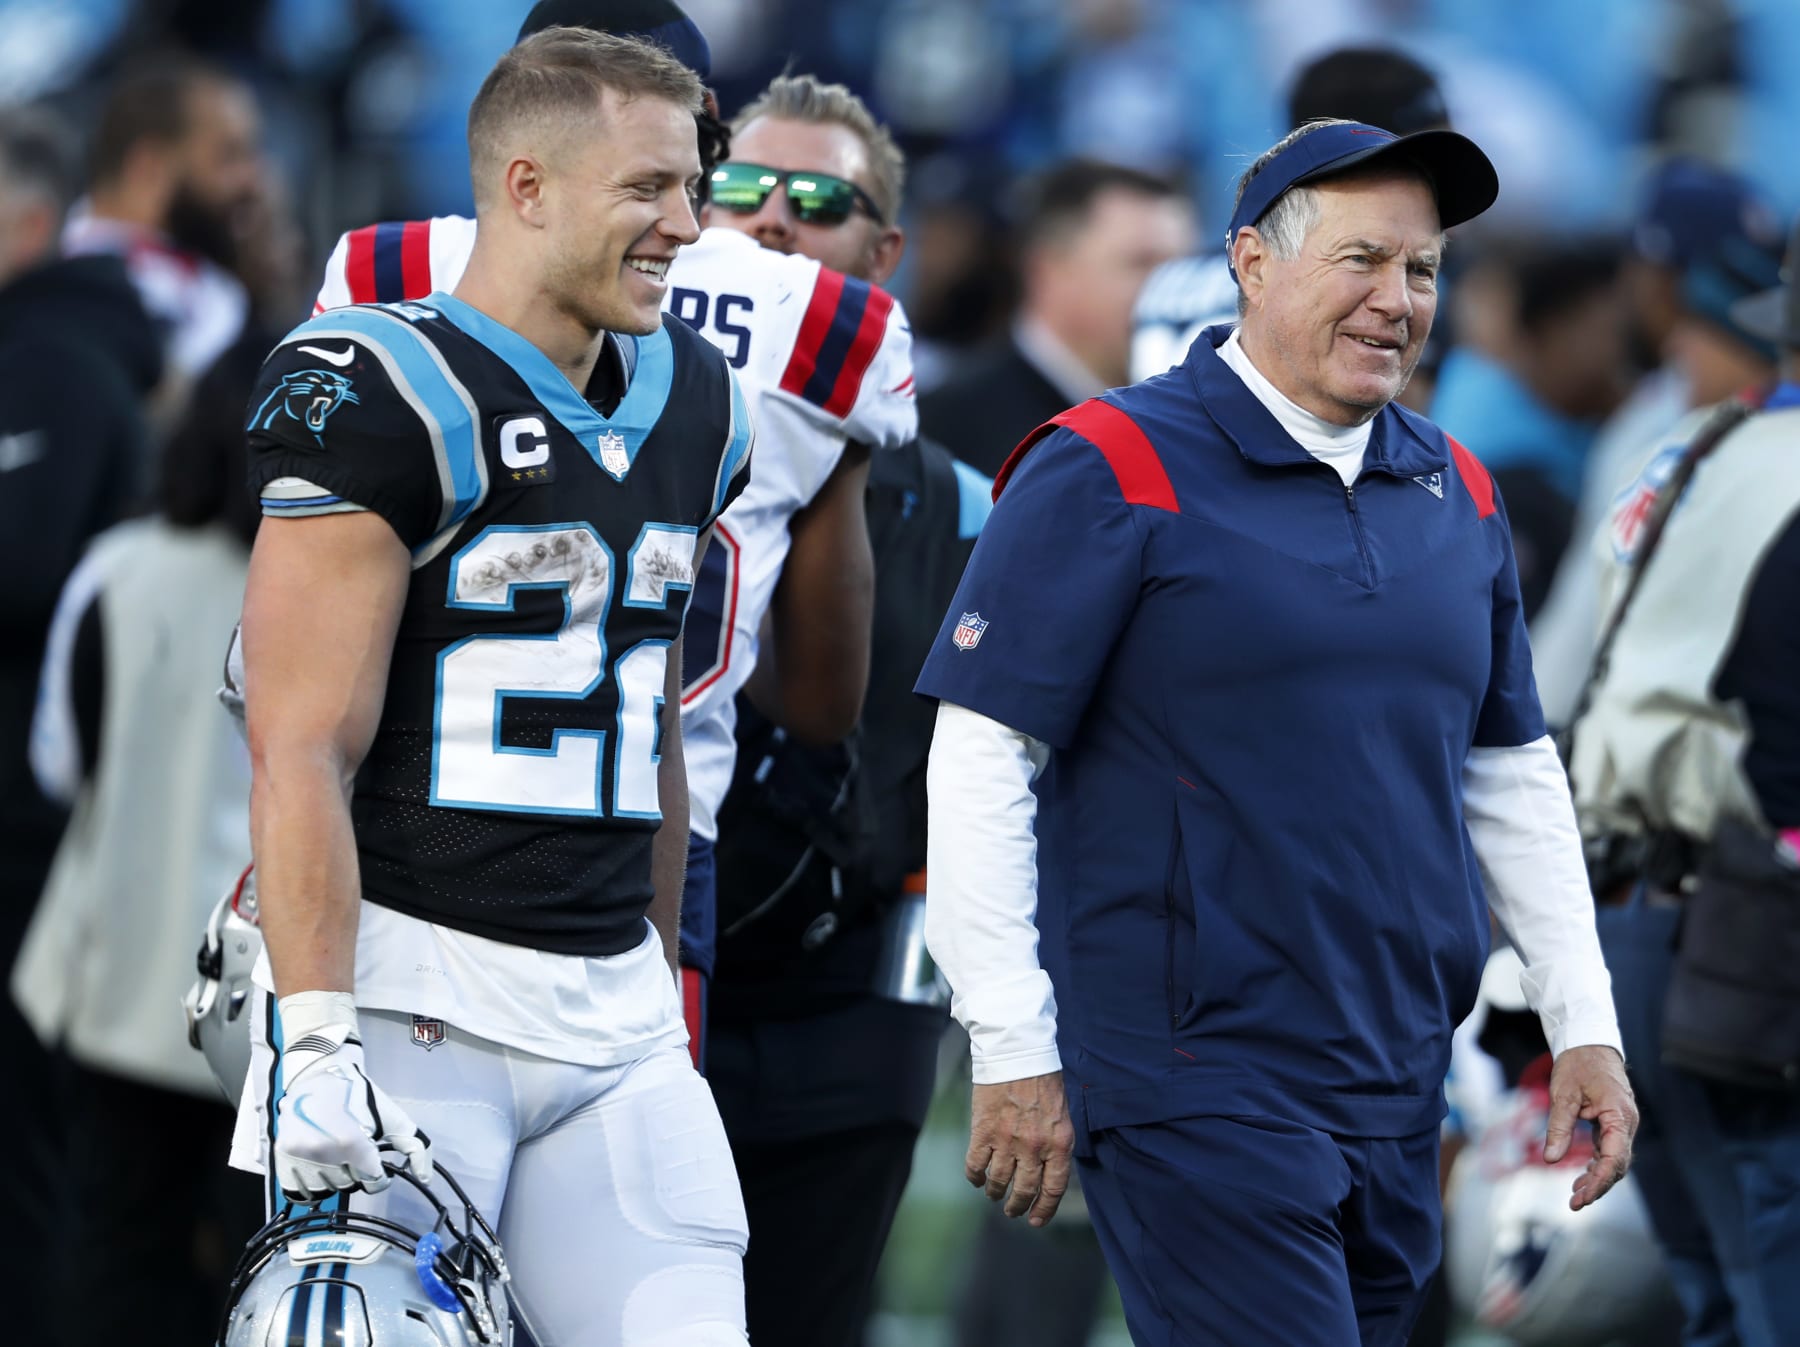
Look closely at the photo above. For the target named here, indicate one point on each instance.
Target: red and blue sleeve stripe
(839, 336)
(389, 262)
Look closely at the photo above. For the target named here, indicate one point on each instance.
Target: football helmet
(345, 1279)
(216, 1003)
(1521, 1264)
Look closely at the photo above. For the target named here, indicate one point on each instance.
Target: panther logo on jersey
(310, 396)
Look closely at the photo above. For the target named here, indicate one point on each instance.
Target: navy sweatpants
(1242, 1232)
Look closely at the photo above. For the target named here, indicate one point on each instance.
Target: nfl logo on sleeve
(968, 631)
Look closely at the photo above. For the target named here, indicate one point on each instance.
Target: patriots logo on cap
(968, 631)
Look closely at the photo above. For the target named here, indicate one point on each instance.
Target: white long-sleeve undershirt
(982, 928)
(1521, 823)
(980, 913)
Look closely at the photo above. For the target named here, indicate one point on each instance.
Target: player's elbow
(285, 759)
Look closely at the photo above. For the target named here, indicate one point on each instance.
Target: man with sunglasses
(826, 361)
(805, 210)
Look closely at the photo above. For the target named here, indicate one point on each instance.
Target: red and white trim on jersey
(726, 547)
(837, 342)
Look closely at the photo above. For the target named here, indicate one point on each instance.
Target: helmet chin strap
(490, 1252)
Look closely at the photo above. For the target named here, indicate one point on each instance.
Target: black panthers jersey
(511, 788)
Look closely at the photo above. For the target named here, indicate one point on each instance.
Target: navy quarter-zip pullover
(1256, 894)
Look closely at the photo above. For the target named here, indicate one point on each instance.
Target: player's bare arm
(321, 608)
(811, 682)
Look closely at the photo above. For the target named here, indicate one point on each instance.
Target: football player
(462, 647)
(827, 362)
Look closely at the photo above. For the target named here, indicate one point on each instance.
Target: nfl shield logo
(613, 456)
(427, 1033)
(1633, 506)
(968, 631)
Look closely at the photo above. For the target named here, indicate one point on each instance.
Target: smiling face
(1340, 328)
(617, 206)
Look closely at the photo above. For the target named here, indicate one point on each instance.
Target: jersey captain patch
(525, 457)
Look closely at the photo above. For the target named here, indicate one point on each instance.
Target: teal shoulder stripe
(423, 379)
(737, 442)
(645, 397)
(975, 499)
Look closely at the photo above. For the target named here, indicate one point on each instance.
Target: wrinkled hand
(1589, 1082)
(1020, 1137)
(332, 1123)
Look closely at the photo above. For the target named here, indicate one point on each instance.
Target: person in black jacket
(79, 354)
(1090, 234)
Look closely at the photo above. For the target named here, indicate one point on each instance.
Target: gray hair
(1284, 228)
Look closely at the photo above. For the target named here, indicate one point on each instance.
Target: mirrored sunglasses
(816, 198)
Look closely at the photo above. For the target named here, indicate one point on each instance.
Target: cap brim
(1462, 177)
(1763, 315)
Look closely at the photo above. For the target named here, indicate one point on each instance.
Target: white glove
(332, 1123)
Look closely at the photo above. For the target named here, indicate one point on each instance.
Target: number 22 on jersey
(470, 767)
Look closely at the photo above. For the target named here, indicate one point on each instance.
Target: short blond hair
(805, 98)
(559, 74)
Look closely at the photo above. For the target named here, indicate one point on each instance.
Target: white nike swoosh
(339, 358)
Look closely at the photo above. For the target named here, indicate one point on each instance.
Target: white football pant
(612, 1188)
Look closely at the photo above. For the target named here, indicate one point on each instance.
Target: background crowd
(173, 172)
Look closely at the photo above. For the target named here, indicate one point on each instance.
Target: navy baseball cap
(1692, 210)
(1774, 315)
(1462, 177)
(660, 21)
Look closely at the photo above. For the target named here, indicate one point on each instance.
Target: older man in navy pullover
(1237, 718)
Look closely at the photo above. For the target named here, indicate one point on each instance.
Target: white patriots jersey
(824, 359)
(1178, 300)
